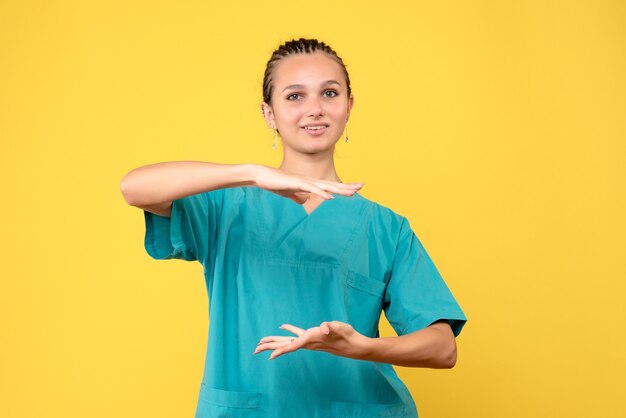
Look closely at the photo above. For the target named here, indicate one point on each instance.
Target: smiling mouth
(314, 127)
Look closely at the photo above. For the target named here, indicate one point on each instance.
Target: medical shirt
(268, 262)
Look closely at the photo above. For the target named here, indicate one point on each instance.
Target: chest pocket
(217, 403)
(363, 299)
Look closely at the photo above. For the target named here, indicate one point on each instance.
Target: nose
(315, 107)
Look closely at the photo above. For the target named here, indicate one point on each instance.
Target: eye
(293, 96)
(333, 93)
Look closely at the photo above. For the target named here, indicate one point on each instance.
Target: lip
(315, 132)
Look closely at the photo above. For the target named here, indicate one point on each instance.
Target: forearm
(164, 182)
(432, 347)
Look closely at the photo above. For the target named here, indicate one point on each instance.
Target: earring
(346, 133)
(275, 139)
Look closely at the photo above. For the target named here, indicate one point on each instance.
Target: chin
(310, 148)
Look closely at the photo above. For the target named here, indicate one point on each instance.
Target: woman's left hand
(334, 337)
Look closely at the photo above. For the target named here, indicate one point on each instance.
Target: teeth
(314, 127)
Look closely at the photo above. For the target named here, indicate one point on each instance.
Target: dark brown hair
(300, 46)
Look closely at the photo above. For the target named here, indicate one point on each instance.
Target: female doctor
(296, 249)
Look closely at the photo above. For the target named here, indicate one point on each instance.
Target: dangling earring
(346, 133)
(275, 139)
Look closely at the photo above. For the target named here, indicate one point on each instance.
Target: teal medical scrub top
(267, 262)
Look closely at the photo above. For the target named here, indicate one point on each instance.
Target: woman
(295, 248)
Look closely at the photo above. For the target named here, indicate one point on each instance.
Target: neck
(319, 166)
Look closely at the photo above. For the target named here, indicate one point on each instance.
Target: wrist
(365, 347)
(250, 173)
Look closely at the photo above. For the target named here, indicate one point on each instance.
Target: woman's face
(310, 103)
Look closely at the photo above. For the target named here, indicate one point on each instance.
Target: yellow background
(497, 128)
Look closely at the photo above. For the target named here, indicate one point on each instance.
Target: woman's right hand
(298, 187)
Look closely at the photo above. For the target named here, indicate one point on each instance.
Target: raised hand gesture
(298, 187)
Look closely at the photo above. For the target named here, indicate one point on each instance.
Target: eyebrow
(301, 86)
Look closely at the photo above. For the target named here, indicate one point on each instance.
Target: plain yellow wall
(497, 128)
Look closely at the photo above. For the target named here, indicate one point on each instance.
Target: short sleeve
(416, 294)
(189, 233)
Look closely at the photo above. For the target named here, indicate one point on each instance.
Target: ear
(350, 104)
(268, 114)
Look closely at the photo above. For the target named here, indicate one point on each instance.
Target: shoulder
(384, 219)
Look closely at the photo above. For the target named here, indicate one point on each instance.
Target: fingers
(324, 193)
(342, 186)
(291, 346)
(272, 345)
(306, 338)
(322, 187)
(339, 184)
(273, 342)
(287, 183)
(275, 338)
(281, 344)
(313, 188)
(346, 189)
(291, 328)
